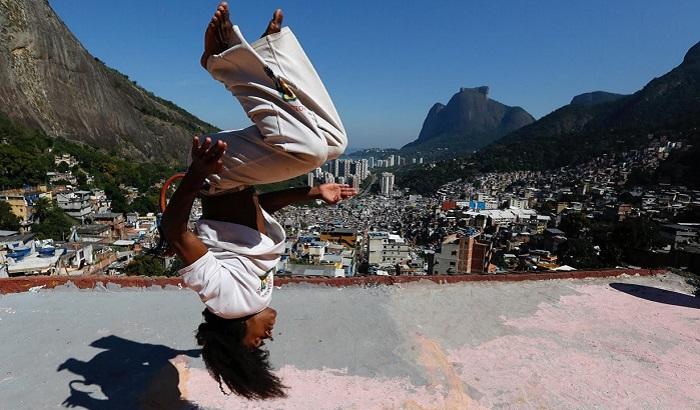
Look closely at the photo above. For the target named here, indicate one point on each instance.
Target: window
(452, 263)
(454, 253)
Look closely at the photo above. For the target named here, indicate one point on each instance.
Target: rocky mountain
(668, 105)
(595, 97)
(49, 81)
(469, 121)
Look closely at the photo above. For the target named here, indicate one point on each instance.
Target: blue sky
(386, 63)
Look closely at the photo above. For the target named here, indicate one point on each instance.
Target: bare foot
(219, 35)
(275, 24)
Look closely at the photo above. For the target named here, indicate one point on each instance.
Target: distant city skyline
(387, 67)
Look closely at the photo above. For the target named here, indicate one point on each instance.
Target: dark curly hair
(245, 371)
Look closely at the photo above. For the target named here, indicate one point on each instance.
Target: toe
(275, 24)
(278, 16)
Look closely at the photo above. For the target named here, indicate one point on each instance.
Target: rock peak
(469, 121)
(484, 89)
(693, 55)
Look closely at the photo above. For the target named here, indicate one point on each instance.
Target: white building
(462, 255)
(385, 249)
(100, 203)
(363, 169)
(387, 183)
(354, 181)
(334, 167)
(76, 204)
(520, 203)
(505, 216)
(345, 165)
(32, 258)
(62, 177)
(316, 252)
(492, 204)
(67, 158)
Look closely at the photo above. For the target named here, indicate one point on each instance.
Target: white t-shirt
(235, 278)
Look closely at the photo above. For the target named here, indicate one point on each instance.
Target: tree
(50, 221)
(145, 203)
(119, 204)
(81, 177)
(639, 177)
(635, 233)
(8, 220)
(580, 253)
(175, 267)
(62, 167)
(145, 265)
(575, 225)
(42, 207)
(27, 154)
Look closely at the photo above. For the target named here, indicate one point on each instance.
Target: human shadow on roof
(131, 375)
(658, 295)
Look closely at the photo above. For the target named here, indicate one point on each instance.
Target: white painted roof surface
(408, 346)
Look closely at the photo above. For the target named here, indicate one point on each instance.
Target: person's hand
(206, 158)
(334, 193)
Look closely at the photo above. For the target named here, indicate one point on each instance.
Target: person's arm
(329, 193)
(206, 160)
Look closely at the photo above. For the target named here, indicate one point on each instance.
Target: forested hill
(595, 97)
(49, 81)
(592, 125)
(669, 105)
(27, 154)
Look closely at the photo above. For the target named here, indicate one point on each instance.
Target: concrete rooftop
(630, 342)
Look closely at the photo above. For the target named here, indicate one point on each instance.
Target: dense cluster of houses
(495, 223)
(101, 240)
(507, 221)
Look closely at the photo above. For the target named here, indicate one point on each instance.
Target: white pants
(296, 129)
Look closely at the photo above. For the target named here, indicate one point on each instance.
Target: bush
(8, 220)
(52, 221)
(145, 265)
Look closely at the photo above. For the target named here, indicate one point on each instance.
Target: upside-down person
(232, 257)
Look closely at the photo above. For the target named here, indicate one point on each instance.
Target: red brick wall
(23, 284)
(479, 254)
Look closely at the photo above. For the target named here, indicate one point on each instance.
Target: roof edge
(25, 283)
